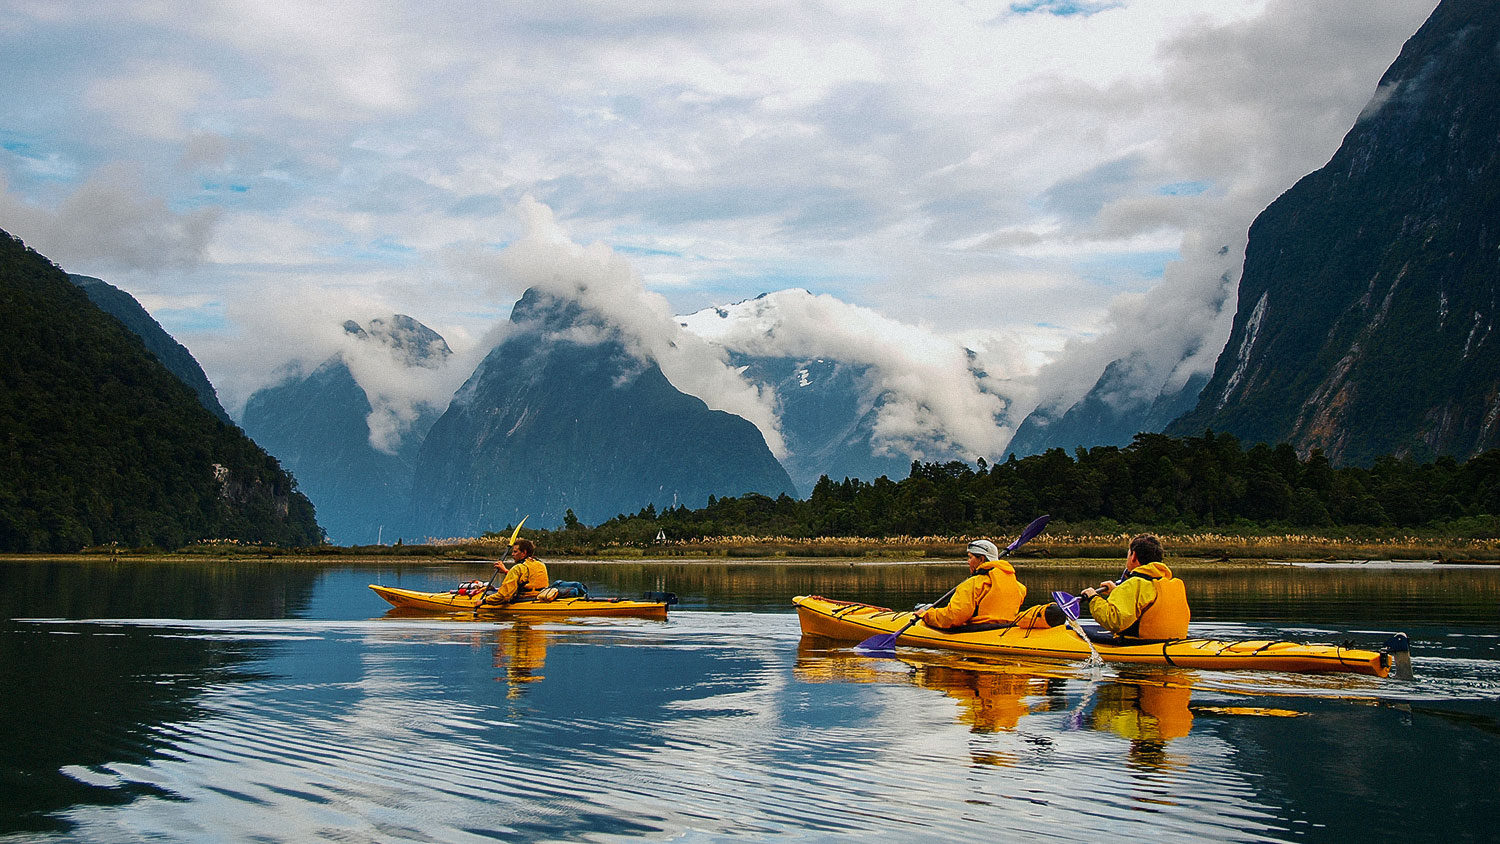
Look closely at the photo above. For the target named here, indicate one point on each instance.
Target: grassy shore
(1060, 547)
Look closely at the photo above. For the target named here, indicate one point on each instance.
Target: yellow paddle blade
(517, 531)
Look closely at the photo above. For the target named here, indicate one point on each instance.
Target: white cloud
(931, 395)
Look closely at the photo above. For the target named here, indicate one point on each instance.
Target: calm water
(276, 702)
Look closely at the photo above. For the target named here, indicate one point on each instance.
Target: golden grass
(1061, 545)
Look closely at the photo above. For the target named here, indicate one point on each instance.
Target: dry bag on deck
(568, 589)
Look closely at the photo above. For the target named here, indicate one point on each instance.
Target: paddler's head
(1144, 548)
(522, 549)
(982, 551)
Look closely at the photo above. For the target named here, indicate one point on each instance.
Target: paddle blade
(517, 531)
(1067, 603)
(1029, 533)
(882, 643)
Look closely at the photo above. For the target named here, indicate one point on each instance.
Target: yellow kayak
(844, 620)
(454, 601)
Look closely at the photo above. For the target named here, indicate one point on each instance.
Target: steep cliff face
(1367, 307)
(319, 427)
(562, 416)
(105, 445)
(172, 354)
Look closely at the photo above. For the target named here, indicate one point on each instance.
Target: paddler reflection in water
(1147, 714)
(521, 651)
(991, 596)
(523, 580)
(1148, 603)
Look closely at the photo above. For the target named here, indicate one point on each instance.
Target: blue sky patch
(1063, 8)
(208, 319)
(1127, 270)
(1184, 189)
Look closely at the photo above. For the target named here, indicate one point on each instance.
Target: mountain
(172, 354)
(562, 416)
(828, 407)
(105, 445)
(1368, 302)
(826, 421)
(319, 426)
(1111, 413)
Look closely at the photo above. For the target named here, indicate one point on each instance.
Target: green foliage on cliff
(1157, 481)
(102, 444)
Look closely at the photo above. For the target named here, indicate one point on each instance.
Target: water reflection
(284, 716)
(995, 696)
(90, 700)
(520, 651)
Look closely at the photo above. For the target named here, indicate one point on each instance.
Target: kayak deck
(843, 620)
(454, 602)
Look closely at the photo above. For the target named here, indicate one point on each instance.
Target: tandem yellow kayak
(456, 601)
(844, 620)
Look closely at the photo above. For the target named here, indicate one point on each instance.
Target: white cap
(985, 549)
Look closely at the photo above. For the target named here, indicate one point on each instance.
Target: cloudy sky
(1054, 183)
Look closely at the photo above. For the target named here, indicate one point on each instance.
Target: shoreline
(1186, 563)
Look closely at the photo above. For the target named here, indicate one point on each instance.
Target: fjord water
(260, 701)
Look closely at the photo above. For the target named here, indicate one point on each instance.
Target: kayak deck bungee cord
(851, 621)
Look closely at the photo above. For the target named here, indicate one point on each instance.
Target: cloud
(152, 99)
(111, 223)
(930, 392)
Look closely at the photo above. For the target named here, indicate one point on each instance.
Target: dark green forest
(1156, 482)
(102, 444)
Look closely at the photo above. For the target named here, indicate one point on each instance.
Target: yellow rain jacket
(522, 581)
(1149, 604)
(991, 595)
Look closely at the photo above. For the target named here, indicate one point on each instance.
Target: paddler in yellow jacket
(524, 579)
(1149, 603)
(991, 594)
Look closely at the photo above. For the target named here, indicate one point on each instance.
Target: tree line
(1157, 482)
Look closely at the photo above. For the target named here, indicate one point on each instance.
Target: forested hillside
(1155, 482)
(102, 444)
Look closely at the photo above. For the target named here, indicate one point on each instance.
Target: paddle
(1069, 604)
(479, 602)
(887, 641)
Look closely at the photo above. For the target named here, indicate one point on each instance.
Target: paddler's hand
(500, 567)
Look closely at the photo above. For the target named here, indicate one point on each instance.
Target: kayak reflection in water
(524, 580)
(1148, 602)
(521, 651)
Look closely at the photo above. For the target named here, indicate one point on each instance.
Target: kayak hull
(842, 620)
(452, 602)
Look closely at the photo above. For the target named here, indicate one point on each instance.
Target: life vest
(527, 578)
(1168, 615)
(1001, 594)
